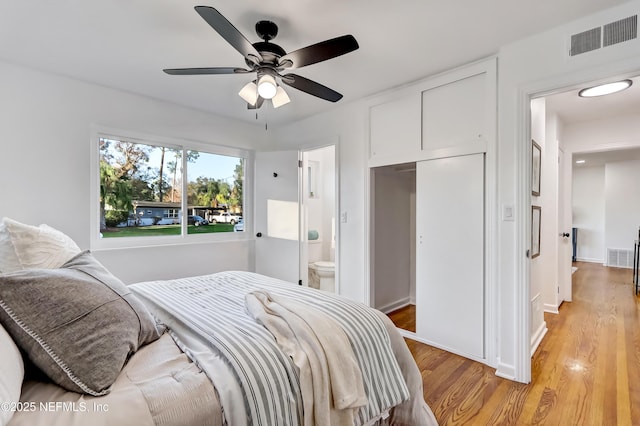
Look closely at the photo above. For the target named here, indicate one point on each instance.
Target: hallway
(586, 371)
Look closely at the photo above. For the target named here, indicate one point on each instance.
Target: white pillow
(11, 374)
(28, 247)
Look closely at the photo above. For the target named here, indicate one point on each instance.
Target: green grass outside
(159, 230)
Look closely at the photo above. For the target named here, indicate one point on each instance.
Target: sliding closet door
(450, 253)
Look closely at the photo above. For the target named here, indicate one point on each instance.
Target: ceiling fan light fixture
(280, 98)
(249, 93)
(605, 89)
(267, 86)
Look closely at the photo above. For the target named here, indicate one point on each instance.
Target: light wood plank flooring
(586, 371)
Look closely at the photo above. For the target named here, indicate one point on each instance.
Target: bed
(230, 348)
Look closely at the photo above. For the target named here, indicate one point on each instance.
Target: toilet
(326, 274)
(321, 272)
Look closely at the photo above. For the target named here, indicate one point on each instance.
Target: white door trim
(526, 92)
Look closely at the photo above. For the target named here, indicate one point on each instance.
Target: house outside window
(150, 189)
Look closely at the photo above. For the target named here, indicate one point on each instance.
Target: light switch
(507, 213)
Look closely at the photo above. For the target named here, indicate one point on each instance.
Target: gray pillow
(79, 324)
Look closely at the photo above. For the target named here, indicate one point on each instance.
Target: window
(214, 190)
(172, 213)
(149, 189)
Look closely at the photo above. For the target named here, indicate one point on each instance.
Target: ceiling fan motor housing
(270, 52)
(266, 30)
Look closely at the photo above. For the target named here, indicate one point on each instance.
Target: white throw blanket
(213, 309)
(330, 378)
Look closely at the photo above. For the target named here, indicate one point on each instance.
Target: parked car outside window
(239, 226)
(196, 220)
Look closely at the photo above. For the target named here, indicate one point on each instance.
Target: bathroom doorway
(318, 260)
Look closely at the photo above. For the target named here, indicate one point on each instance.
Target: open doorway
(319, 234)
(583, 141)
(394, 247)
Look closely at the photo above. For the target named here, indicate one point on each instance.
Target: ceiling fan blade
(258, 103)
(321, 51)
(311, 87)
(201, 71)
(228, 31)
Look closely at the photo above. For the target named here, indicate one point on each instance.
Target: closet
(430, 145)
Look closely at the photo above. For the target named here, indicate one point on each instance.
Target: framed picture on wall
(536, 216)
(536, 164)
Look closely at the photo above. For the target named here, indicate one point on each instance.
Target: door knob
(565, 234)
(259, 234)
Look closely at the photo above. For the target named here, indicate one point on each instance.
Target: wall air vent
(607, 35)
(586, 41)
(619, 31)
(619, 258)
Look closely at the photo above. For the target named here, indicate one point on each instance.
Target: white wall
(45, 151)
(588, 212)
(605, 208)
(346, 124)
(622, 131)
(622, 204)
(531, 65)
(534, 65)
(392, 226)
(589, 197)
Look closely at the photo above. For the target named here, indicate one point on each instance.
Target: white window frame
(173, 213)
(97, 243)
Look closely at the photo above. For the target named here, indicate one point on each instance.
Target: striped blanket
(213, 306)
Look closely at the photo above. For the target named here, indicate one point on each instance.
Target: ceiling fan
(268, 60)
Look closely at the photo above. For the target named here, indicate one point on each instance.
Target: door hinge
(300, 163)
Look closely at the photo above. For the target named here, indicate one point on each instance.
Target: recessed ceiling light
(605, 89)
(581, 161)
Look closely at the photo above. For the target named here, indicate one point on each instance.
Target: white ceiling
(573, 109)
(125, 44)
(592, 159)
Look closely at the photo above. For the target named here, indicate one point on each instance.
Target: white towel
(330, 378)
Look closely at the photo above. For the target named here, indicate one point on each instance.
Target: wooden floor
(586, 371)
(405, 318)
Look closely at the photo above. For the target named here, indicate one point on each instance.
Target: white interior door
(565, 244)
(277, 213)
(450, 253)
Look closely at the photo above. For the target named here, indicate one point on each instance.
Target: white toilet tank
(314, 250)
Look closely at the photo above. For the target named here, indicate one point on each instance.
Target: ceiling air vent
(586, 41)
(619, 31)
(612, 33)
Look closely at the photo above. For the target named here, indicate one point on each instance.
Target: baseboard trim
(538, 336)
(588, 260)
(552, 309)
(390, 307)
(506, 371)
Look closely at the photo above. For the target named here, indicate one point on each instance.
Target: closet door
(450, 253)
